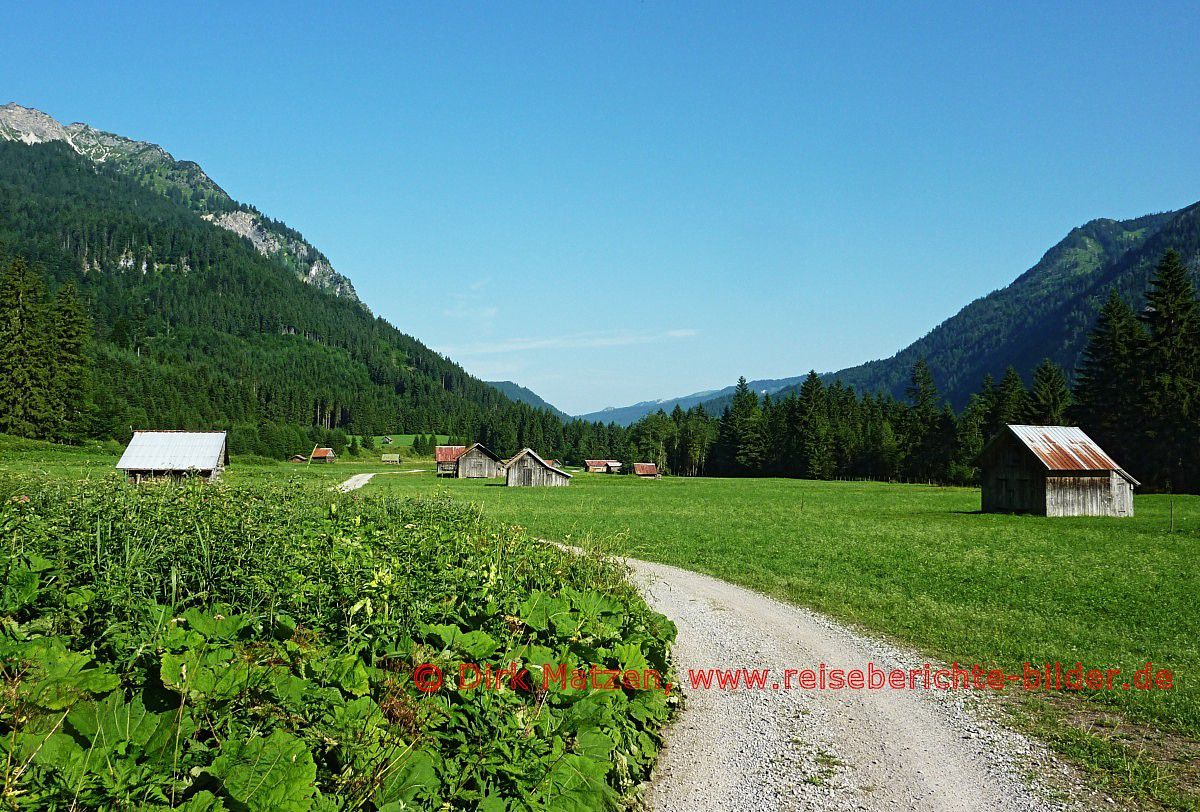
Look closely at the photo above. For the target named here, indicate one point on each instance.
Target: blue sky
(613, 202)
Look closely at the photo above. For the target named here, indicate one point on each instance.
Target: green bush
(210, 647)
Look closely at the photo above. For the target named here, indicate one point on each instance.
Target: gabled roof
(531, 453)
(1065, 448)
(322, 454)
(483, 449)
(175, 451)
(448, 453)
(645, 469)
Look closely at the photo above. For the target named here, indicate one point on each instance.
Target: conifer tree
(71, 386)
(1012, 400)
(26, 396)
(1109, 380)
(1172, 385)
(1051, 395)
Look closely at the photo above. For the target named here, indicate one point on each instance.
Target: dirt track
(822, 750)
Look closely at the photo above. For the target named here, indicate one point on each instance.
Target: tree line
(1136, 392)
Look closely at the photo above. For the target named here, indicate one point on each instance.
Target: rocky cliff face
(184, 181)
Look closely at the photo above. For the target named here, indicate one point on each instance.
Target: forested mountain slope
(195, 328)
(522, 394)
(628, 415)
(1045, 313)
(185, 183)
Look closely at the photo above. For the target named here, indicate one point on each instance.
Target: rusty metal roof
(175, 451)
(1066, 448)
(645, 469)
(322, 453)
(448, 453)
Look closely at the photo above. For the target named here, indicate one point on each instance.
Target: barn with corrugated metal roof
(1052, 471)
(446, 457)
(174, 454)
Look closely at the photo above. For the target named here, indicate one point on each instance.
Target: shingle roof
(448, 453)
(1066, 448)
(174, 451)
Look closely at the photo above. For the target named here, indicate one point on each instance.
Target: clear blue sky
(613, 202)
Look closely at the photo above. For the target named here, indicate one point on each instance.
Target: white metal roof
(174, 451)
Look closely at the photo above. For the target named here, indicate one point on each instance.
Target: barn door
(527, 476)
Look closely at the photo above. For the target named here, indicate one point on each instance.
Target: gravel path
(355, 482)
(823, 750)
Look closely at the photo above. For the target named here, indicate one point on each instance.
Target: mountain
(628, 415)
(518, 393)
(1046, 312)
(195, 326)
(183, 182)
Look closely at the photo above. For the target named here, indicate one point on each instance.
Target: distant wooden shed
(322, 455)
(527, 469)
(1052, 471)
(646, 470)
(174, 454)
(478, 462)
(298, 458)
(446, 457)
(390, 459)
(602, 466)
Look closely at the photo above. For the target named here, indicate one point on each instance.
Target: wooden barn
(390, 459)
(602, 466)
(1052, 471)
(527, 469)
(323, 455)
(298, 458)
(174, 454)
(446, 457)
(646, 470)
(478, 462)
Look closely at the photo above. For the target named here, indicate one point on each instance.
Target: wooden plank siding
(526, 470)
(478, 463)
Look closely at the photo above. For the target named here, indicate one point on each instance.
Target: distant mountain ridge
(521, 394)
(183, 182)
(628, 415)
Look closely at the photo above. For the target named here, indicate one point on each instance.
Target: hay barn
(478, 462)
(322, 455)
(646, 470)
(174, 454)
(602, 466)
(1052, 471)
(527, 469)
(446, 457)
(390, 459)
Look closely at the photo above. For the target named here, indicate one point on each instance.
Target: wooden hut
(322, 455)
(646, 470)
(298, 458)
(602, 466)
(390, 459)
(1052, 471)
(478, 462)
(174, 454)
(386, 440)
(527, 469)
(446, 457)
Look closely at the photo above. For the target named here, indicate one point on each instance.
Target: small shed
(646, 470)
(602, 466)
(478, 462)
(446, 457)
(527, 469)
(1052, 471)
(390, 459)
(298, 458)
(174, 454)
(323, 455)
(386, 440)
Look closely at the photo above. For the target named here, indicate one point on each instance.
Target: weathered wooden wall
(1106, 495)
(447, 468)
(1011, 481)
(528, 472)
(474, 464)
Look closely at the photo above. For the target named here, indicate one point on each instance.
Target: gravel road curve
(354, 483)
(824, 750)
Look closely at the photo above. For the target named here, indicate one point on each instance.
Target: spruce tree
(1012, 400)
(1172, 384)
(72, 331)
(1109, 380)
(26, 396)
(1051, 395)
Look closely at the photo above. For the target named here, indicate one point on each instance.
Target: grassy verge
(920, 565)
(252, 646)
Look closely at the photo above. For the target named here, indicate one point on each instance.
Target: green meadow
(918, 565)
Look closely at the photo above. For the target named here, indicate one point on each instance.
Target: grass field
(912, 563)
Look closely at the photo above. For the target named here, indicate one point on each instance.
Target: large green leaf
(275, 773)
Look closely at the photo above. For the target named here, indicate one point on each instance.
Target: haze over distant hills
(1046, 312)
(627, 415)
